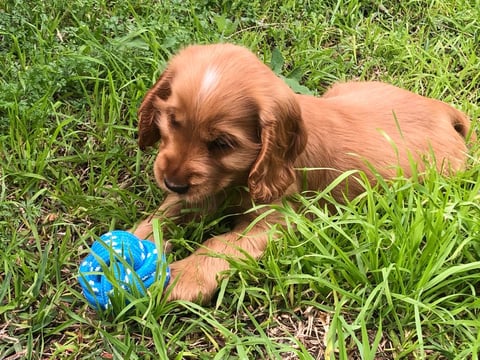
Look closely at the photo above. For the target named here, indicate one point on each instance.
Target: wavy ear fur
(148, 132)
(283, 138)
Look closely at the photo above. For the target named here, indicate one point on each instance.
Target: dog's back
(364, 125)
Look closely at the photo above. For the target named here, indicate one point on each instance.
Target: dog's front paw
(194, 278)
(143, 230)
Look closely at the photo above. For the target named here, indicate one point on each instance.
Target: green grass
(393, 274)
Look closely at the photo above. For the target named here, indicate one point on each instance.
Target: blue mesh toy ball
(134, 263)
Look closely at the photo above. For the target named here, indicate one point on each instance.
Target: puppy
(226, 126)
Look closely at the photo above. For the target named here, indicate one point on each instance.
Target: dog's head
(222, 118)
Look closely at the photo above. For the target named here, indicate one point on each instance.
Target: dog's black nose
(178, 188)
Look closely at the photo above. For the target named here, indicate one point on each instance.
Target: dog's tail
(462, 125)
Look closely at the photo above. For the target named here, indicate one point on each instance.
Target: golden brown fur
(223, 120)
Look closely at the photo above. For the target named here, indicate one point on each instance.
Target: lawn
(393, 274)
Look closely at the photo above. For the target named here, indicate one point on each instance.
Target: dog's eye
(172, 120)
(221, 143)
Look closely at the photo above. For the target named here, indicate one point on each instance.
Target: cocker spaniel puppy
(224, 121)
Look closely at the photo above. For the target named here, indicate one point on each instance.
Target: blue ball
(134, 264)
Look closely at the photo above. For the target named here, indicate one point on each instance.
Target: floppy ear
(283, 138)
(148, 132)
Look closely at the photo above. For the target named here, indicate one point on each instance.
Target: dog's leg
(195, 277)
(170, 208)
